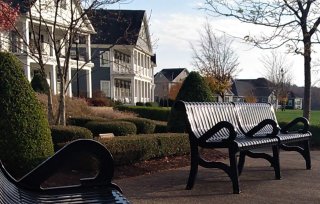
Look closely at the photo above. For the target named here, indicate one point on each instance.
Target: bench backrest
(201, 116)
(250, 114)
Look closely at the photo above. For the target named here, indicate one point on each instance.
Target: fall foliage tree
(216, 60)
(8, 15)
(174, 90)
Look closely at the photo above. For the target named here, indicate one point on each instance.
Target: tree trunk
(61, 114)
(50, 107)
(307, 78)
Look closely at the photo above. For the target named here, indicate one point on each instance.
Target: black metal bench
(99, 189)
(251, 114)
(215, 125)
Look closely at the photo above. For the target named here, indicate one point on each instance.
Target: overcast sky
(176, 24)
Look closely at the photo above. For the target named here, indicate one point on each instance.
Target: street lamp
(76, 41)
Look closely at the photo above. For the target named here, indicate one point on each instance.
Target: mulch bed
(72, 177)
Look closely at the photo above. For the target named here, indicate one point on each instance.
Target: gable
(116, 27)
(143, 41)
(46, 10)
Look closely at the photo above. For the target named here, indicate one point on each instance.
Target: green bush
(25, 138)
(39, 83)
(314, 129)
(144, 126)
(152, 104)
(63, 134)
(83, 120)
(193, 89)
(131, 149)
(161, 128)
(139, 104)
(153, 113)
(118, 128)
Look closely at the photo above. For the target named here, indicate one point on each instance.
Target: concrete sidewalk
(257, 184)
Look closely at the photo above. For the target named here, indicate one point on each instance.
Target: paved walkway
(213, 186)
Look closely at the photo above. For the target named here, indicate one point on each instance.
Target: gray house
(122, 55)
(165, 79)
(256, 90)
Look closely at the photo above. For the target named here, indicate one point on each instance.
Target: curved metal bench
(215, 125)
(251, 114)
(99, 189)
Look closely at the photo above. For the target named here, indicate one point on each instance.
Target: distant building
(122, 55)
(294, 101)
(165, 79)
(253, 90)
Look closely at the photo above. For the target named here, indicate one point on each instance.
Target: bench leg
(306, 154)
(242, 159)
(234, 171)
(276, 162)
(193, 167)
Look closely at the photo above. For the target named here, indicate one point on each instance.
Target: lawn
(288, 115)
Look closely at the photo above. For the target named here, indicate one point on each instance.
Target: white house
(122, 54)
(38, 22)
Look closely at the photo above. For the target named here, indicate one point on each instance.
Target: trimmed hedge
(161, 127)
(144, 126)
(83, 120)
(118, 128)
(131, 149)
(314, 129)
(63, 134)
(25, 139)
(152, 104)
(153, 113)
(39, 83)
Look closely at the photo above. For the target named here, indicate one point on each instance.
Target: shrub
(100, 101)
(118, 128)
(144, 126)
(194, 89)
(25, 138)
(152, 104)
(74, 106)
(83, 120)
(139, 104)
(39, 83)
(63, 134)
(153, 113)
(131, 149)
(161, 127)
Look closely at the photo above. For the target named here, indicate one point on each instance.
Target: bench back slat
(203, 116)
(250, 114)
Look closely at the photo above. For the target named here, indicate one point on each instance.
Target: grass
(289, 115)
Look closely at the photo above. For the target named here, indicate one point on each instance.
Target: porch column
(27, 70)
(132, 90)
(112, 86)
(25, 35)
(89, 84)
(53, 79)
(152, 93)
(88, 47)
(69, 91)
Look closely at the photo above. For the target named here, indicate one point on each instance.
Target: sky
(175, 24)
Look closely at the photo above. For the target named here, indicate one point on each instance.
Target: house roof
(257, 87)
(24, 5)
(121, 27)
(172, 73)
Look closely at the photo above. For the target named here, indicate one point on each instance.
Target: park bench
(99, 189)
(215, 125)
(250, 114)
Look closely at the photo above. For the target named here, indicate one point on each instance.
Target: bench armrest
(37, 176)
(261, 125)
(219, 126)
(303, 120)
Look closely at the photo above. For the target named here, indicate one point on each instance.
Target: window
(104, 58)
(105, 87)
